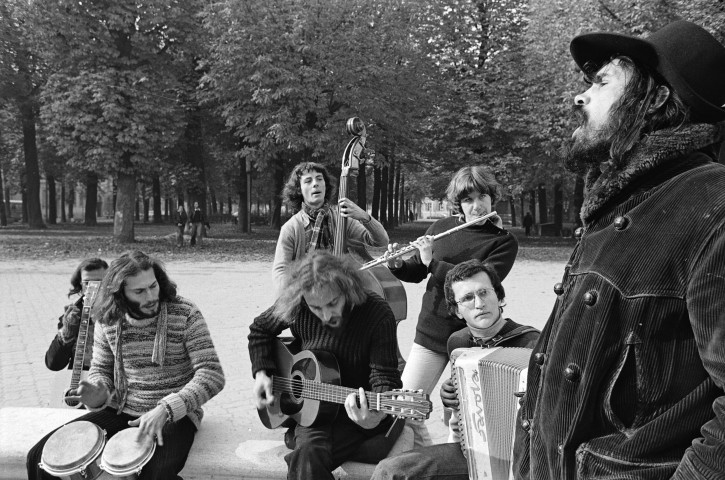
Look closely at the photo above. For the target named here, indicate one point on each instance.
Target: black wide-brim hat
(686, 55)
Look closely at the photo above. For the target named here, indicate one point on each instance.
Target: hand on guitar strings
(263, 396)
(89, 394)
(348, 208)
(152, 423)
(361, 413)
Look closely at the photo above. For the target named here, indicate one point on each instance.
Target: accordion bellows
(489, 383)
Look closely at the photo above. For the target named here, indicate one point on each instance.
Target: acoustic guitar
(77, 372)
(308, 392)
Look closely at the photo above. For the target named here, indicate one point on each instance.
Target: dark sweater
(484, 242)
(365, 349)
(511, 335)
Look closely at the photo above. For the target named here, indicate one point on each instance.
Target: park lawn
(226, 243)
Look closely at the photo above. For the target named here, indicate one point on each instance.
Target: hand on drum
(348, 208)
(152, 423)
(89, 394)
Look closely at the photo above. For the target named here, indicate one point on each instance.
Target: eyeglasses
(469, 299)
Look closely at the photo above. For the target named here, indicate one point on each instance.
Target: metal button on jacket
(560, 449)
(590, 298)
(620, 223)
(539, 358)
(559, 288)
(526, 425)
(578, 233)
(572, 372)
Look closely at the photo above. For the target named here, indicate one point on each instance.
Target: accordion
(487, 382)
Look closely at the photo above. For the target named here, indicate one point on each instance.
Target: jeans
(422, 371)
(166, 463)
(197, 232)
(320, 450)
(442, 461)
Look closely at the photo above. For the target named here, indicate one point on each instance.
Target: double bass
(378, 279)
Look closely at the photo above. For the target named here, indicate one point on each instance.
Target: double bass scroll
(379, 279)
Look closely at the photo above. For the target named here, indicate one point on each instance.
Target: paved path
(229, 295)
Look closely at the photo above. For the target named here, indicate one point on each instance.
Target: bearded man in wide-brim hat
(627, 379)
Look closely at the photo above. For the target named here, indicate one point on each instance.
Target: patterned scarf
(159, 353)
(321, 238)
(657, 152)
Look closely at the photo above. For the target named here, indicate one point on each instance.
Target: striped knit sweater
(366, 348)
(188, 372)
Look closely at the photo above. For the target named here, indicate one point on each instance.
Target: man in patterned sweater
(327, 309)
(154, 365)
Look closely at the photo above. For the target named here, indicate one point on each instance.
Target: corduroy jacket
(626, 381)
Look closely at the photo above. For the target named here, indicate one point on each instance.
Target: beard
(588, 147)
(136, 311)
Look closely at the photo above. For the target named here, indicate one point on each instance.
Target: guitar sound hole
(291, 402)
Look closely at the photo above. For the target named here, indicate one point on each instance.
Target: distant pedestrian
(198, 220)
(411, 216)
(528, 222)
(181, 218)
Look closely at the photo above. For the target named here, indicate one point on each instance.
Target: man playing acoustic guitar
(327, 310)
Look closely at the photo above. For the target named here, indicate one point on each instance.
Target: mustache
(580, 113)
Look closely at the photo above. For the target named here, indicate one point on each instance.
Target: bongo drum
(72, 451)
(127, 452)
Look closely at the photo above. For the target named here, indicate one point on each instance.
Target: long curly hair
(634, 112)
(472, 179)
(111, 304)
(292, 191)
(314, 272)
(87, 265)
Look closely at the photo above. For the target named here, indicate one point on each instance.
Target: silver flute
(409, 248)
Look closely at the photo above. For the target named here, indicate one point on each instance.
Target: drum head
(127, 451)
(72, 446)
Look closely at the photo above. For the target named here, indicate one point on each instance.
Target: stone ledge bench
(217, 453)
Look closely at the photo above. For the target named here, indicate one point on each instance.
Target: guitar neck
(324, 392)
(80, 353)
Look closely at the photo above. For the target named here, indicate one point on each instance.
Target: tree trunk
(6, 195)
(71, 201)
(244, 189)
(395, 213)
(543, 215)
(402, 212)
(156, 189)
(146, 204)
(512, 203)
(24, 196)
(558, 209)
(384, 196)
(52, 205)
(3, 210)
(91, 199)
(32, 173)
(167, 208)
(532, 205)
(276, 220)
(63, 218)
(376, 192)
(123, 231)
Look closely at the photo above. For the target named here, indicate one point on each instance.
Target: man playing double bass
(327, 309)
(308, 192)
